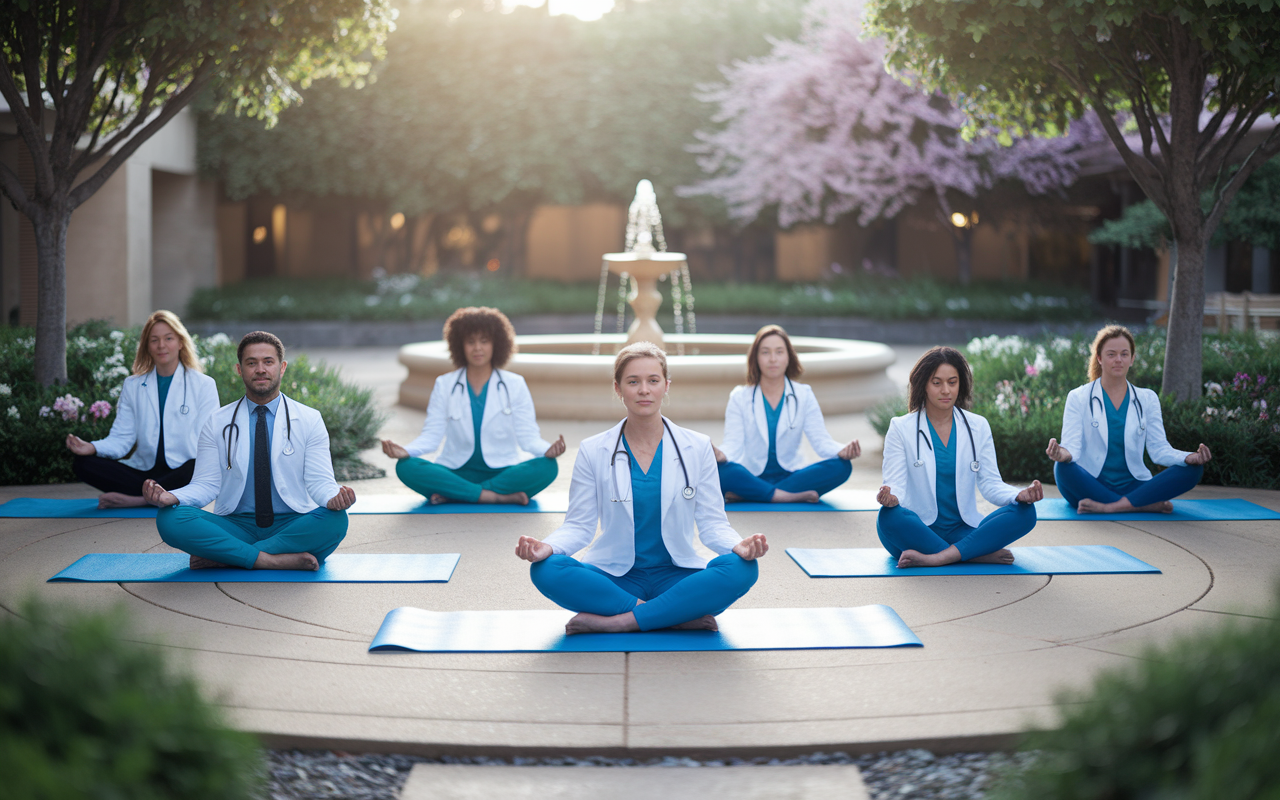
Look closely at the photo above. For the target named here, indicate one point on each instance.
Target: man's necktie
(263, 514)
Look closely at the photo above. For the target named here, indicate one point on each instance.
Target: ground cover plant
(1198, 719)
(1021, 383)
(410, 297)
(35, 419)
(86, 713)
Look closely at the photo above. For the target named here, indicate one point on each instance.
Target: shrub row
(35, 420)
(1020, 385)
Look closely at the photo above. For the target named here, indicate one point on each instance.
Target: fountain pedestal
(645, 299)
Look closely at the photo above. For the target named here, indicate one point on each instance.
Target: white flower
(114, 392)
(218, 339)
(5, 391)
(957, 303)
(45, 410)
(117, 335)
(1042, 361)
(371, 300)
(1213, 389)
(13, 412)
(1061, 343)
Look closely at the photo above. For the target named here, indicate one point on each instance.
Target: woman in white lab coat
(493, 451)
(162, 408)
(649, 486)
(935, 456)
(1106, 424)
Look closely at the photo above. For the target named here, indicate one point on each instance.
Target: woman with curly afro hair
(493, 451)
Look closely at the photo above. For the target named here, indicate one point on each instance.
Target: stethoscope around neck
(1137, 405)
(233, 428)
(184, 408)
(689, 490)
(459, 384)
(974, 465)
(786, 395)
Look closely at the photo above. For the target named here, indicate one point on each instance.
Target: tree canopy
(1178, 85)
(88, 81)
(475, 110)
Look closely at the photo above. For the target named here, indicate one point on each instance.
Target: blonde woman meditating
(649, 486)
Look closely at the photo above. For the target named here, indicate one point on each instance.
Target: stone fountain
(571, 376)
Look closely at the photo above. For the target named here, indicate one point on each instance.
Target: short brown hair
(143, 362)
(260, 337)
(927, 365)
(1103, 336)
(491, 322)
(639, 350)
(794, 368)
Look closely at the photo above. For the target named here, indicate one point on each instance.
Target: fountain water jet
(570, 378)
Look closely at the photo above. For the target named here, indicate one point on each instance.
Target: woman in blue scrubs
(1106, 424)
(648, 485)
(935, 456)
(763, 425)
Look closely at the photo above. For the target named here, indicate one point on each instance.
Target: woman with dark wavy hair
(763, 425)
(1098, 465)
(493, 451)
(934, 458)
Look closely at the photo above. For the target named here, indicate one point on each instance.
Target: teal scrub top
(646, 495)
(162, 386)
(477, 416)
(944, 458)
(771, 416)
(1115, 470)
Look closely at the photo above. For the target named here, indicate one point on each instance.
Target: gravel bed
(903, 775)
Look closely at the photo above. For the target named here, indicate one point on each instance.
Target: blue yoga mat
(1055, 508)
(34, 507)
(874, 562)
(339, 568)
(839, 500)
(550, 503)
(740, 629)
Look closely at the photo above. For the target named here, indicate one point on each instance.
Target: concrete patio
(290, 661)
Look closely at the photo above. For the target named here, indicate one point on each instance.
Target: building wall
(184, 246)
(566, 242)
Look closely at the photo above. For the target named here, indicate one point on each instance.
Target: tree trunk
(1183, 355)
(51, 294)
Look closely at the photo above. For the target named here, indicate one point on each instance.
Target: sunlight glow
(582, 9)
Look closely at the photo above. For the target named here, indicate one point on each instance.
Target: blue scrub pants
(1076, 484)
(821, 477)
(672, 595)
(901, 529)
(236, 539)
(464, 484)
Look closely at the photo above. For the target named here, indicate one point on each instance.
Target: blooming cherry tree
(819, 129)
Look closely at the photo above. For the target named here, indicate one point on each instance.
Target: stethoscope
(1137, 405)
(232, 428)
(184, 408)
(458, 384)
(973, 465)
(689, 490)
(795, 407)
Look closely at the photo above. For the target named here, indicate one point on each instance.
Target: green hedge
(1020, 385)
(34, 424)
(84, 713)
(1196, 720)
(409, 297)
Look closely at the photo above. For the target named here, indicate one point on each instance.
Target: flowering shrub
(35, 424)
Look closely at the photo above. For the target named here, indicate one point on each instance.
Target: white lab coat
(1087, 443)
(303, 478)
(591, 495)
(138, 419)
(916, 487)
(503, 436)
(746, 430)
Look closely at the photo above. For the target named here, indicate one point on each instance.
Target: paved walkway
(289, 661)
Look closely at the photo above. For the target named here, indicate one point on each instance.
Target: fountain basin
(568, 382)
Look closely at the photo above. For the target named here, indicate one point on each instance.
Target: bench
(1250, 308)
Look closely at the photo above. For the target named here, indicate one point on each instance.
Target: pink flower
(100, 409)
(1031, 368)
(69, 406)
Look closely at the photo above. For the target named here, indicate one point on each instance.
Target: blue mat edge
(457, 558)
(928, 572)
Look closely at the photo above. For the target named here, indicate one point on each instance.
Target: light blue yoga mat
(338, 568)
(551, 503)
(874, 562)
(740, 629)
(846, 500)
(1055, 508)
(33, 507)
